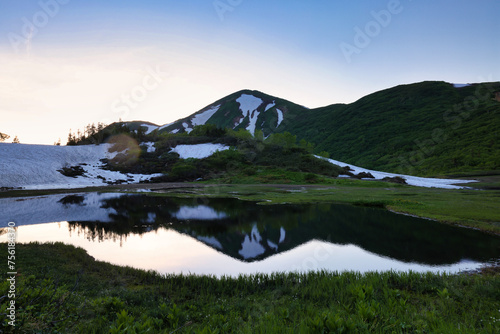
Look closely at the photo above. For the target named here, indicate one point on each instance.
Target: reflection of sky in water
(169, 251)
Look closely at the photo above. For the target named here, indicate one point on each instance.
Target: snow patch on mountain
(411, 180)
(202, 118)
(280, 117)
(150, 146)
(36, 166)
(253, 122)
(270, 105)
(198, 151)
(165, 126)
(248, 103)
(248, 106)
(150, 128)
(461, 85)
(186, 127)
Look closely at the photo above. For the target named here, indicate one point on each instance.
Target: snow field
(198, 151)
(36, 166)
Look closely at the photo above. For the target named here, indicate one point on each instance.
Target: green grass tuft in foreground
(61, 289)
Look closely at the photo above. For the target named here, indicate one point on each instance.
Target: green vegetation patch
(62, 289)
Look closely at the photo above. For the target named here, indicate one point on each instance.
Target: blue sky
(67, 63)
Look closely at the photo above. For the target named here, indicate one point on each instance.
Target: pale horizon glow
(79, 65)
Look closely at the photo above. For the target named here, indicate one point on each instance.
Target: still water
(232, 237)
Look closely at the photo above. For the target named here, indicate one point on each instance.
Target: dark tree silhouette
(4, 137)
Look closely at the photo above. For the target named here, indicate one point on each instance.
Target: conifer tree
(4, 137)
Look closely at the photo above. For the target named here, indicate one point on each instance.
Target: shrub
(72, 171)
(208, 130)
(226, 159)
(184, 171)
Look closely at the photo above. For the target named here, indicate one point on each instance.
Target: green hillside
(423, 129)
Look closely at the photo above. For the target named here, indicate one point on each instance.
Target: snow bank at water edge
(198, 151)
(36, 166)
(411, 180)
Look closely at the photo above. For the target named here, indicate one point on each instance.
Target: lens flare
(127, 149)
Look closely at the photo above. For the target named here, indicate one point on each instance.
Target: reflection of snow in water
(212, 241)
(251, 247)
(282, 235)
(151, 218)
(272, 245)
(47, 209)
(201, 212)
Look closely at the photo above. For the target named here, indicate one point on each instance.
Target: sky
(67, 63)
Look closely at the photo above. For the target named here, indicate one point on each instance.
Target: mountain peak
(245, 109)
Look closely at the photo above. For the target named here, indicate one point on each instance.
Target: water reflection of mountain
(251, 232)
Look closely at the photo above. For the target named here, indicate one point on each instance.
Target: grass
(113, 299)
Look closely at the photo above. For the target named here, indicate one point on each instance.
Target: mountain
(425, 128)
(246, 109)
